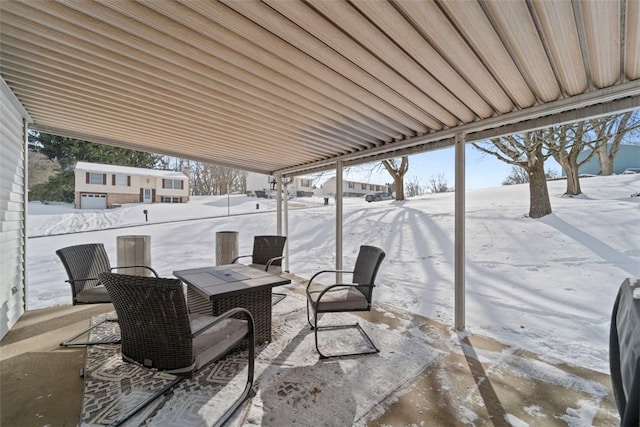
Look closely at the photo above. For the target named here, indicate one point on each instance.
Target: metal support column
(278, 204)
(459, 238)
(339, 220)
(285, 232)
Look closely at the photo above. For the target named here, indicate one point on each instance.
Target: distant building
(299, 186)
(351, 188)
(99, 186)
(628, 157)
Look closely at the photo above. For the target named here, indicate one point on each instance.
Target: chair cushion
(342, 298)
(217, 340)
(97, 294)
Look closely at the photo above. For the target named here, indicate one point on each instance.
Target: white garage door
(93, 201)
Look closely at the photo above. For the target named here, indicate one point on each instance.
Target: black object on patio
(267, 255)
(346, 297)
(83, 263)
(624, 352)
(158, 333)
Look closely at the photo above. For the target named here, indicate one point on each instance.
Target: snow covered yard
(544, 286)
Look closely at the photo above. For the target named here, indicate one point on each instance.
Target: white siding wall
(12, 210)
(257, 181)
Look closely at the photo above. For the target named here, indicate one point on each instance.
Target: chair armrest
(238, 257)
(217, 319)
(340, 285)
(327, 271)
(136, 266)
(266, 268)
(81, 280)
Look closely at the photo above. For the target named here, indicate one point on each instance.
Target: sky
(542, 285)
(482, 170)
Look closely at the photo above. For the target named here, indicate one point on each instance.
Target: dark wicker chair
(159, 334)
(267, 255)
(83, 263)
(345, 297)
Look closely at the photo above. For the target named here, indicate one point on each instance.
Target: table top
(228, 280)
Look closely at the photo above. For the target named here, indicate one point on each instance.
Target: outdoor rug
(292, 385)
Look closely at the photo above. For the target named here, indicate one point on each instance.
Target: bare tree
(209, 179)
(610, 132)
(518, 175)
(438, 184)
(397, 170)
(414, 188)
(565, 143)
(526, 151)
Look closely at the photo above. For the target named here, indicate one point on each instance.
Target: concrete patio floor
(470, 383)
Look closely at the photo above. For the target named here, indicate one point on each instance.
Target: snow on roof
(127, 170)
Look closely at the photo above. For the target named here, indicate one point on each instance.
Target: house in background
(351, 188)
(628, 157)
(99, 186)
(299, 187)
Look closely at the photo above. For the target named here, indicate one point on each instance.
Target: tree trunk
(398, 180)
(397, 171)
(570, 166)
(605, 160)
(539, 203)
(573, 179)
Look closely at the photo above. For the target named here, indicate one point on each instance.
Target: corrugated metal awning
(284, 85)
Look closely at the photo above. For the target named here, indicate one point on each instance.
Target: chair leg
(357, 326)
(230, 411)
(247, 388)
(146, 402)
(277, 297)
(71, 343)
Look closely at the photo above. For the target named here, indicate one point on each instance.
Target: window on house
(372, 187)
(121, 180)
(363, 187)
(96, 178)
(351, 185)
(176, 184)
(169, 199)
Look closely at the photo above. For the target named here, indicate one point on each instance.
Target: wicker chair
(342, 297)
(267, 256)
(83, 263)
(159, 334)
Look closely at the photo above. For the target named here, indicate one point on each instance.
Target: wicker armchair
(83, 263)
(345, 297)
(267, 255)
(159, 334)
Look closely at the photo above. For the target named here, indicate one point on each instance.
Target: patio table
(216, 289)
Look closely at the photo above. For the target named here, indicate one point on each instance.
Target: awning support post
(459, 239)
(339, 220)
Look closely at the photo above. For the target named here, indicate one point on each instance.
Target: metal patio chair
(159, 334)
(345, 297)
(83, 263)
(267, 255)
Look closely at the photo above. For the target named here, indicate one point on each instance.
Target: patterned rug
(292, 385)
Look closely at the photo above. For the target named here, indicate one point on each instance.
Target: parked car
(378, 196)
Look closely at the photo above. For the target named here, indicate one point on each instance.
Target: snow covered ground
(546, 285)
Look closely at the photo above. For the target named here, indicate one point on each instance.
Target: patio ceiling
(292, 86)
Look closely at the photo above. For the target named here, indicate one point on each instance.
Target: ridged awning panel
(285, 85)
(558, 21)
